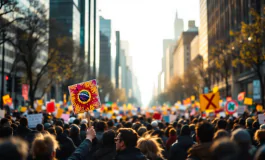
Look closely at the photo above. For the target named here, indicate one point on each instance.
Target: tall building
(178, 26)
(182, 55)
(194, 48)
(203, 33)
(223, 16)
(168, 72)
(117, 61)
(105, 48)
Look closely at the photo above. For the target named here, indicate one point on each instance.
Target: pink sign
(25, 91)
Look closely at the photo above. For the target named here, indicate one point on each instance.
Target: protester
(260, 138)
(126, 142)
(149, 146)
(221, 133)
(172, 138)
(23, 130)
(13, 149)
(83, 131)
(224, 149)
(260, 155)
(179, 149)
(75, 134)
(205, 133)
(107, 150)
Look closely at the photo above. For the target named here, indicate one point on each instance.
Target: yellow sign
(248, 101)
(57, 105)
(192, 98)
(59, 113)
(7, 99)
(23, 109)
(38, 109)
(40, 102)
(209, 101)
(215, 89)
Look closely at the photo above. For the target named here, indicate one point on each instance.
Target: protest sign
(2, 113)
(240, 109)
(84, 96)
(59, 113)
(172, 117)
(261, 118)
(50, 107)
(65, 117)
(209, 101)
(34, 119)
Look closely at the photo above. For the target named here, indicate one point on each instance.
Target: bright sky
(145, 23)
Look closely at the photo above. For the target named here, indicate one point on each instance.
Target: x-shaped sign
(210, 101)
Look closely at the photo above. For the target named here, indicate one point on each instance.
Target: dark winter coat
(23, 131)
(200, 151)
(105, 153)
(130, 154)
(179, 149)
(82, 152)
(67, 147)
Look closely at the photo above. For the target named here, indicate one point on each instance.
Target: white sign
(2, 113)
(261, 118)
(256, 90)
(240, 110)
(34, 119)
(172, 118)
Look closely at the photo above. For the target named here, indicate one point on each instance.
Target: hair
(192, 127)
(3, 122)
(172, 132)
(142, 130)
(129, 136)
(136, 126)
(43, 147)
(260, 154)
(249, 122)
(6, 132)
(150, 147)
(221, 133)
(59, 123)
(260, 135)
(224, 149)
(108, 138)
(24, 122)
(52, 131)
(205, 131)
(110, 123)
(101, 126)
(128, 125)
(76, 121)
(13, 148)
(185, 131)
(59, 130)
(83, 127)
(74, 130)
(40, 127)
(221, 124)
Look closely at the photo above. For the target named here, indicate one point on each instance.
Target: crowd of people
(133, 138)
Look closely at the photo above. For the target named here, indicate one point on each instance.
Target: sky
(144, 24)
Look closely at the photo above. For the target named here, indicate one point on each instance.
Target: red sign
(25, 91)
(241, 96)
(50, 107)
(231, 106)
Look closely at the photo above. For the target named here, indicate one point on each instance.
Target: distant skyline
(144, 24)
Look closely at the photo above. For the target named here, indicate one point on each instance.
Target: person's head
(83, 127)
(241, 137)
(128, 125)
(77, 122)
(260, 136)
(260, 154)
(5, 122)
(150, 147)
(224, 149)
(13, 148)
(108, 138)
(6, 132)
(126, 138)
(40, 127)
(59, 130)
(221, 133)
(242, 122)
(154, 124)
(262, 126)
(136, 126)
(204, 132)
(101, 126)
(44, 147)
(59, 123)
(14, 126)
(221, 124)
(249, 122)
(24, 122)
(47, 126)
(172, 132)
(255, 125)
(74, 131)
(185, 131)
(141, 130)
(192, 128)
(149, 127)
(52, 131)
(110, 124)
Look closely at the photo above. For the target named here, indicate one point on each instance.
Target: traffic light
(18, 85)
(8, 83)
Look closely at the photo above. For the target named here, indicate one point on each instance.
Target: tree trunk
(31, 90)
(226, 83)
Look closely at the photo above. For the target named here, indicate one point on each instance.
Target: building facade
(178, 26)
(194, 47)
(203, 33)
(182, 55)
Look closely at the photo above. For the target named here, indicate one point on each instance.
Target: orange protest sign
(209, 101)
(59, 113)
(248, 101)
(38, 109)
(7, 99)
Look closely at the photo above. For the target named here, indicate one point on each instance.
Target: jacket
(23, 131)
(170, 141)
(200, 151)
(82, 152)
(67, 147)
(178, 150)
(130, 154)
(105, 153)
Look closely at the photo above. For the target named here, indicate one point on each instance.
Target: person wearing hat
(179, 149)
